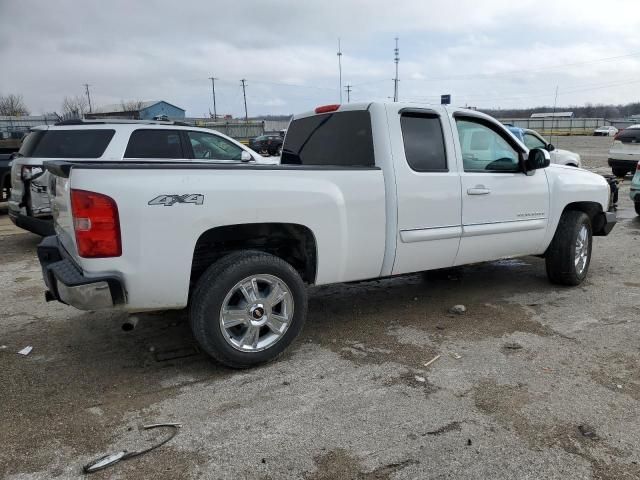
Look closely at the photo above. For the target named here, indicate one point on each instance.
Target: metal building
(142, 111)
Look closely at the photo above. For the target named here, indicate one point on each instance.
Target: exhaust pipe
(130, 323)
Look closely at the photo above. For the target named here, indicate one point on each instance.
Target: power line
(213, 90)
(244, 94)
(490, 76)
(290, 85)
(86, 88)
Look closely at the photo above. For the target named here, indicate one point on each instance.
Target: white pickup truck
(363, 191)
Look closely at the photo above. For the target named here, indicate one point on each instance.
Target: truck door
(428, 189)
(504, 210)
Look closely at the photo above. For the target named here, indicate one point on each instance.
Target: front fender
(570, 185)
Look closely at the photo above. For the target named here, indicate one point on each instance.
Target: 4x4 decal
(169, 200)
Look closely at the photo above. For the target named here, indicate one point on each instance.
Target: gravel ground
(533, 381)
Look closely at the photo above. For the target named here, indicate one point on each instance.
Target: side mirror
(538, 158)
(550, 147)
(245, 156)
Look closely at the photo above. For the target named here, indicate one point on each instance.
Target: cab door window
(485, 150)
(423, 142)
(207, 146)
(533, 141)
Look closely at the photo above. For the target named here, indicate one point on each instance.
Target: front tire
(247, 308)
(637, 204)
(569, 255)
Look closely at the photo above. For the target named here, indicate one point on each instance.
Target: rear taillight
(96, 224)
(638, 167)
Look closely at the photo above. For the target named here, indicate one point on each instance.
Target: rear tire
(637, 204)
(243, 283)
(619, 172)
(569, 255)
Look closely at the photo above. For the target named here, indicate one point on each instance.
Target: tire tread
(209, 283)
(558, 258)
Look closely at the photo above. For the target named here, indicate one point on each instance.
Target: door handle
(478, 190)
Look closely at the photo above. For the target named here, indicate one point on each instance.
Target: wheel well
(292, 242)
(592, 209)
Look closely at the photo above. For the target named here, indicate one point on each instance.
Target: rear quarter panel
(344, 209)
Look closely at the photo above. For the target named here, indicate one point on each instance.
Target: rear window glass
(631, 135)
(154, 143)
(66, 143)
(423, 142)
(334, 139)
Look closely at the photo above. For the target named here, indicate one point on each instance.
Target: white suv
(87, 140)
(624, 153)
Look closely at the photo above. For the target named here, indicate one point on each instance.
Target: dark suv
(267, 144)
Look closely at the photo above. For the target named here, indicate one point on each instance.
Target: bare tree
(76, 106)
(131, 105)
(13, 105)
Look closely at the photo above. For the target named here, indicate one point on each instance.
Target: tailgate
(61, 209)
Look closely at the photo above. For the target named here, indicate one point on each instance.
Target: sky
(487, 54)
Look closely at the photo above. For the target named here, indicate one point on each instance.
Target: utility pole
(396, 59)
(555, 103)
(213, 90)
(340, 69)
(86, 88)
(348, 89)
(244, 94)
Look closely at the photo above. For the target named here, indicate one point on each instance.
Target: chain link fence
(565, 126)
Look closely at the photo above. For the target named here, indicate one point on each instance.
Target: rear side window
(154, 143)
(631, 135)
(423, 142)
(334, 139)
(66, 143)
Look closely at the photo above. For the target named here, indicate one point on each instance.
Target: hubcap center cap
(257, 312)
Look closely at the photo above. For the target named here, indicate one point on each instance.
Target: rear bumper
(39, 226)
(66, 282)
(619, 163)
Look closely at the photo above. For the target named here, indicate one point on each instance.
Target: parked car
(634, 192)
(605, 131)
(624, 153)
(533, 139)
(267, 144)
(112, 140)
(5, 176)
(238, 243)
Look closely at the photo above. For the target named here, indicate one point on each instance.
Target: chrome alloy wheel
(256, 313)
(582, 250)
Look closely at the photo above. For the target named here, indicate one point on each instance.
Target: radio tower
(340, 69)
(396, 59)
